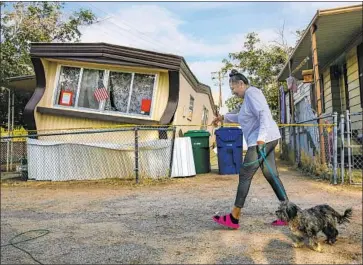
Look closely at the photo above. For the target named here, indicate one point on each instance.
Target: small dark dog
(309, 222)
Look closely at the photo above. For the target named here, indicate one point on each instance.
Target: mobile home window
(204, 118)
(127, 93)
(91, 80)
(191, 108)
(68, 85)
(119, 87)
(142, 93)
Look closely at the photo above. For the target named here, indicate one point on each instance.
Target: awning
(336, 29)
(26, 83)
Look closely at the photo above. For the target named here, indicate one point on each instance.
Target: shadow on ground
(279, 252)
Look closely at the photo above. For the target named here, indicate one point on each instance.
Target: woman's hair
(235, 76)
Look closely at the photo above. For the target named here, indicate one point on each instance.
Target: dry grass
(170, 221)
(102, 183)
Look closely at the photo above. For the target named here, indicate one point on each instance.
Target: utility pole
(219, 77)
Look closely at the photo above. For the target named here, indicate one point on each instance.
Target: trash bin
(230, 146)
(200, 144)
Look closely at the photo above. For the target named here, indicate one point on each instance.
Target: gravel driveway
(112, 222)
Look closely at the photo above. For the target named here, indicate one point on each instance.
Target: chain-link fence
(315, 147)
(310, 145)
(350, 148)
(127, 153)
(331, 149)
(11, 154)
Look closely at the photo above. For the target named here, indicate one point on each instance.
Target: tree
(262, 64)
(233, 103)
(299, 34)
(32, 22)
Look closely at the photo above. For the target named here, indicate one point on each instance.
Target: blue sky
(202, 32)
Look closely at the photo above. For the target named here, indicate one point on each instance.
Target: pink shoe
(225, 221)
(279, 223)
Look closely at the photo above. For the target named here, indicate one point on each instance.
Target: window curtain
(89, 83)
(119, 87)
(68, 81)
(142, 88)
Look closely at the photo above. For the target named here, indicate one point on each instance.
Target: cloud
(201, 6)
(153, 27)
(156, 28)
(138, 26)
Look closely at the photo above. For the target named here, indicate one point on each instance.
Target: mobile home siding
(200, 100)
(353, 87)
(327, 92)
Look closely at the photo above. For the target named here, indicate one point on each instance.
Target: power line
(149, 40)
(98, 21)
(107, 18)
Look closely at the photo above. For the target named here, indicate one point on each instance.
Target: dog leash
(262, 152)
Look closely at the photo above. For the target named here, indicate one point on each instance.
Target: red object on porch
(145, 105)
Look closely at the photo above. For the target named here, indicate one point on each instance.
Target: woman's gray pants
(248, 171)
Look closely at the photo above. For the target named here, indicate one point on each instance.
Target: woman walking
(262, 135)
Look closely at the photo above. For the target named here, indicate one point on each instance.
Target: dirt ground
(169, 222)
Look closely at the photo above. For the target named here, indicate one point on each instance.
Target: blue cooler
(230, 146)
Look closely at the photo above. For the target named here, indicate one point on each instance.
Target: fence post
(342, 147)
(7, 154)
(172, 151)
(8, 143)
(11, 152)
(297, 131)
(12, 130)
(335, 147)
(348, 146)
(137, 154)
(295, 144)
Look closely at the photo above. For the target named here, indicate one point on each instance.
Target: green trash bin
(200, 144)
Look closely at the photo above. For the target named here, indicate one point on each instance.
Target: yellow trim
(178, 125)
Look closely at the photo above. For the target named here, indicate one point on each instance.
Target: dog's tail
(345, 218)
